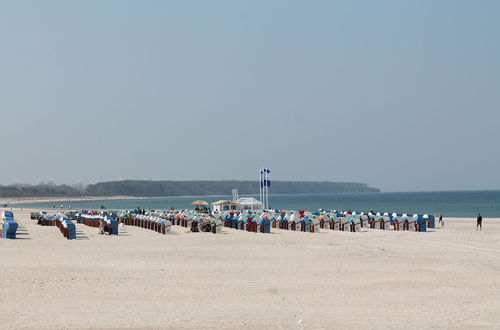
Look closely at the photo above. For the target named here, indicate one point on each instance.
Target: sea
(450, 203)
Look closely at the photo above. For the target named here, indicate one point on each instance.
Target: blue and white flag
(267, 182)
(262, 178)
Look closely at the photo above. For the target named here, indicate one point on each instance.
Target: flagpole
(260, 185)
(265, 196)
(267, 188)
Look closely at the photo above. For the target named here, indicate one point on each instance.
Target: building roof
(248, 200)
(222, 201)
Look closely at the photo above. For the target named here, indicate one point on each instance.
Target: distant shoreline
(22, 200)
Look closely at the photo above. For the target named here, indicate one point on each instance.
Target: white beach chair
(345, 224)
(411, 224)
(336, 223)
(168, 226)
(401, 223)
(364, 221)
(387, 223)
(356, 224)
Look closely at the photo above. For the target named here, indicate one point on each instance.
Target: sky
(402, 95)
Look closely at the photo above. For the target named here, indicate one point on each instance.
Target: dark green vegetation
(180, 188)
(39, 190)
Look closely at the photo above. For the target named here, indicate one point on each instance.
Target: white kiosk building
(250, 204)
(225, 205)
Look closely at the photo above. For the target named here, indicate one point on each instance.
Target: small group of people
(104, 228)
(479, 221)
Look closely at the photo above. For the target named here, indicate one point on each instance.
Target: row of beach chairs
(65, 225)
(248, 224)
(150, 222)
(111, 224)
(354, 223)
(195, 222)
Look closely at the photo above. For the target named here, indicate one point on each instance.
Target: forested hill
(200, 188)
(179, 188)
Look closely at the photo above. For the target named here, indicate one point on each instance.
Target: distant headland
(140, 188)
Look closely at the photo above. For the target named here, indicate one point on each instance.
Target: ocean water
(450, 204)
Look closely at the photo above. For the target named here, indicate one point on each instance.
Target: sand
(447, 278)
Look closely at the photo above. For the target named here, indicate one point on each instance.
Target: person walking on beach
(441, 220)
(101, 227)
(479, 222)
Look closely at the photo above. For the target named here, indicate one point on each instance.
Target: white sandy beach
(448, 278)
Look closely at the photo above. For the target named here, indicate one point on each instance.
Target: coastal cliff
(200, 188)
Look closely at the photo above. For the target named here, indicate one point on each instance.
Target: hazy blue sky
(403, 95)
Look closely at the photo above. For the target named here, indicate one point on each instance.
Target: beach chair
(411, 224)
(285, 222)
(379, 222)
(241, 223)
(150, 222)
(326, 223)
(345, 224)
(336, 223)
(371, 221)
(218, 226)
(401, 224)
(422, 224)
(306, 224)
(364, 221)
(315, 225)
(70, 229)
(255, 225)
(9, 228)
(297, 224)
(165, 226)
(274, 222)
(356, 224)
(430, 221)
(194, 226)
(387, 223)
(114, 225)
(263, 226)
(330, 222)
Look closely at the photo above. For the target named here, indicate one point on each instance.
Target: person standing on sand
(441, 220)
(101, 227)
(479, 222)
